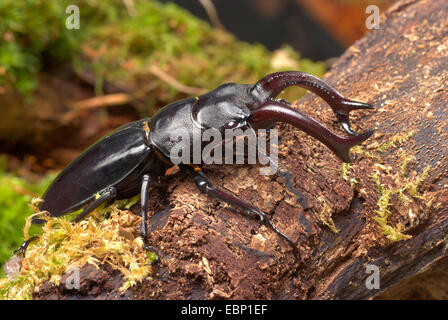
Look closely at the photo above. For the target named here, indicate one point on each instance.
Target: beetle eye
(231, 124)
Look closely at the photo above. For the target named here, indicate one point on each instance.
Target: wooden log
(389, 207)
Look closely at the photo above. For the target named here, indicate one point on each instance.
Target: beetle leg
(144, 202)
(22, 249)
(108, 196)
(205, 186)
(146, 181)
(273, 111)
(272, 85)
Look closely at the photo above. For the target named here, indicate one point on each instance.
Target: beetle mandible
(126, 161)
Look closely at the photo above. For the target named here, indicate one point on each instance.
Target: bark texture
(209, 250)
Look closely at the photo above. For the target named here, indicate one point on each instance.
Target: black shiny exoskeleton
(126, 161)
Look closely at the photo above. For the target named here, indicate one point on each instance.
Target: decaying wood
(208, 250)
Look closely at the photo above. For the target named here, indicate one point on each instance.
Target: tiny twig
(162, 75)
(112, 88)
(103, 101)
(130, 7)
(212, 13)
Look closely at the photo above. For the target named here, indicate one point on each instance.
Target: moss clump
(15, 193)
(325, 216)
(397, 139)
(406, 189)
(383, 212)
(121, 48)
(346, 169)
(106, 236)
(31, 29)
(403, 187)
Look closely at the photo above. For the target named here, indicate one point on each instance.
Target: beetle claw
(345, 123)
(272, 112)
(269, 224)
(147, 247)
(272, 85)
(22, 249)
(343, 109)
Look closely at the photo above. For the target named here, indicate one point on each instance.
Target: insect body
(126, 161)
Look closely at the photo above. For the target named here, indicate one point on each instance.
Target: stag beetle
(126, 161)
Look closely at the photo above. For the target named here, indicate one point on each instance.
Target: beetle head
(226, 107)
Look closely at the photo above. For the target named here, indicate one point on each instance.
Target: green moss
(397, 139)
(325, 216)
(346, 173)
(405, 161)
(412, 187)
(383, 212)
(105, 236)
(364, 153)
(15, 194)
(30, 28)
(404, 186)
(121, 48)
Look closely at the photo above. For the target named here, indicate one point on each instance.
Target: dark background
(271, 25)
